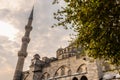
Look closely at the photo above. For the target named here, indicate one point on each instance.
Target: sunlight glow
(7, 30)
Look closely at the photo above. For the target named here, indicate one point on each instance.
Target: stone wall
(74, 67)
(66, 69)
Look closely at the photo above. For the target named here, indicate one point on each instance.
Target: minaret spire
(22, 54)
(31, 15)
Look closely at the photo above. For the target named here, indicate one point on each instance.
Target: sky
(44, 40)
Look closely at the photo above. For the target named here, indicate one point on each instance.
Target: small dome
(60, 49)
(36, 56)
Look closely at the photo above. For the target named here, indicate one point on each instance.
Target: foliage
(97, 23)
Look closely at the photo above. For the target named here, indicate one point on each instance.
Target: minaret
(22, 54)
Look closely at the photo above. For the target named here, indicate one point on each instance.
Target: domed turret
(36, 56)
(59, 52)
(36, 63)
(60, 49)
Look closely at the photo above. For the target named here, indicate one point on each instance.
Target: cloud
(4, 13)
(6, 69)
(16, 5)
(44, 40)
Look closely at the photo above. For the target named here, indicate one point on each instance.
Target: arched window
(101, 79)
(62, 71)
(69, 72)
(56, 74)
(48, 76)
(45, 76)
(82, 69)
(83, 78)
(75, 78)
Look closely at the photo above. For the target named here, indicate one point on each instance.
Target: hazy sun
(7, 30)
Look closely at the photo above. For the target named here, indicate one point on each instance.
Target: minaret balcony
(21, 53)
(28, 28)
(26, 39)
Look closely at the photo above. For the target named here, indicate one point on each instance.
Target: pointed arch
(82, 68)
(75, 78)
(45, 75)
(56, 74)
(69, 72)
(84, 78)
(62, 70)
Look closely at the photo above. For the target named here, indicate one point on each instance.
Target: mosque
(69, 64)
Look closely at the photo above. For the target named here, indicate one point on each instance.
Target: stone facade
(68, 65)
